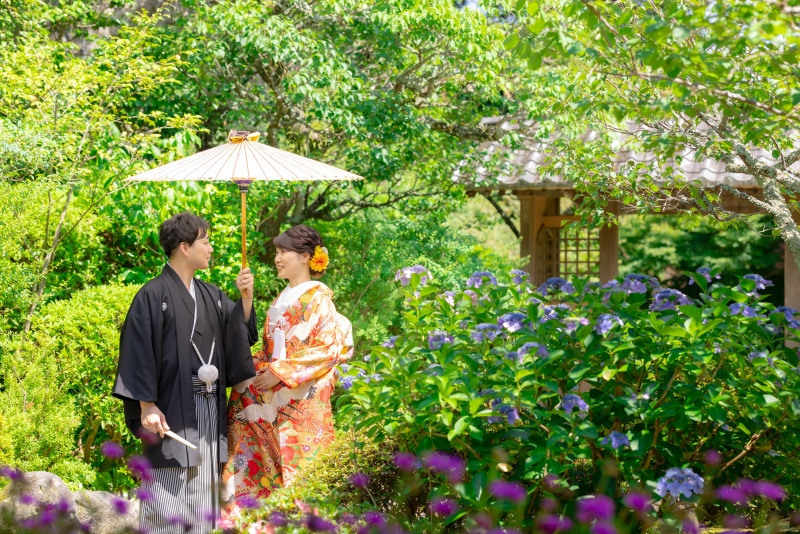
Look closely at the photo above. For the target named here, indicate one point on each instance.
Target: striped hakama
(186, 499)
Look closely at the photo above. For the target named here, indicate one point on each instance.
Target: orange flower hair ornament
(319, 261)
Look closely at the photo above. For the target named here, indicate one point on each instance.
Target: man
(183, 342)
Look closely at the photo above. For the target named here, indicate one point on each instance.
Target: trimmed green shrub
(57, 387)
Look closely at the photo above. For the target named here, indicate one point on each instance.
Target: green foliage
(675, 377)
(41, 420)
(684, 81)
(69, 357)
(365, 251)
(666, 246)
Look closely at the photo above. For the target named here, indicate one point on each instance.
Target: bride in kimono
(281, 420)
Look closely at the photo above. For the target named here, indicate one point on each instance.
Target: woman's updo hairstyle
(301, 239)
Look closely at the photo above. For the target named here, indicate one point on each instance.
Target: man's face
(199, 254)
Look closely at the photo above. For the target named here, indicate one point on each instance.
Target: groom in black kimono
(183, 342)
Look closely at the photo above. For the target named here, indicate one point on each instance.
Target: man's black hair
(184, 227)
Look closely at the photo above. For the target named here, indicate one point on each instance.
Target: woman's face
(291, 264)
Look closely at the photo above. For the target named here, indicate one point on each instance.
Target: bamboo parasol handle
(244, 185)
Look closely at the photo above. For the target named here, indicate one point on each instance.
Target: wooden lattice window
(565, 252)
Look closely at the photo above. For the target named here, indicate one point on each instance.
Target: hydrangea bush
(525, 383)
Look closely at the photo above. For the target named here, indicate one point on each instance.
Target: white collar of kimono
(289, 296)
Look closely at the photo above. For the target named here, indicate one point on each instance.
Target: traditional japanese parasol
(243, 160)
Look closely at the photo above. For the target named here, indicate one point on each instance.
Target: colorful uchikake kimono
(274, 433)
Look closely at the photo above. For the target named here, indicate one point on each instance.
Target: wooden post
(609, 247)
(791, 277)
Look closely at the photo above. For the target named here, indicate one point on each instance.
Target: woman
(280, 420)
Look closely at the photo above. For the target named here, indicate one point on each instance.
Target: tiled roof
(501, 168)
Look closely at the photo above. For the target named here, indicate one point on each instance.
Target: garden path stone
(101, 510)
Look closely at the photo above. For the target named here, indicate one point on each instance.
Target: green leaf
(458, 428)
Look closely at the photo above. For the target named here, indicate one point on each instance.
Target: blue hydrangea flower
(404, 275)
(390, 343)
(679, 481)
(370, 378)
(556, 284)
(573, 325)
(637, 283)
(617, 439)
(510, 413)
(519, 276)
(745, 310)
(761, 283)
(572, 401)
(437, 338)
(757, 355)
(512, 321)
(705, 271)
(347, 381)
(666, 299)
(550, 313)
(787, 312)
(541, 350)
(516, 356)
(485, 331)
(476, 280)
(606, 322)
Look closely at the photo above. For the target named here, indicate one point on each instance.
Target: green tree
(702, 79)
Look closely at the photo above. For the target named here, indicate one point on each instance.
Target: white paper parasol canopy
(243, 160)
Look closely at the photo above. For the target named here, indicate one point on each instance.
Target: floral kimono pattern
(273, 433)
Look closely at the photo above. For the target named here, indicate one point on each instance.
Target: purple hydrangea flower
(390, 343)
(370, 378)
(404, 275)
(112, 449)
(572, 401)
(760, 355)
(247, 501)
(121, 506)
(636, 501)
(705, 271)
(374, 519)
(746, 310)
(770, 490)
(314, 523)
(359, 480)
(509, 491)
(437, 338)
(443, 507)
(665, 299)
(713, 457)
(472, 295)
(405, 461)
(346, 381)
(787, 312)
(555, 284)
(761, 283)
(512, 322)
(603, 528)
(594, 508)
(579, 321)
(476, 280)
(678, 481)
(519, 276)
(27, 499)
(617, 440)
(516, 356)
(541, 350)
(10, 473)
(485, 331)
(141, 468)
(637, 283)
(144, 494)
(450, 466)
(551, 523)
(732, 494)
(449, 297)
(510, 414)
(606, 322)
